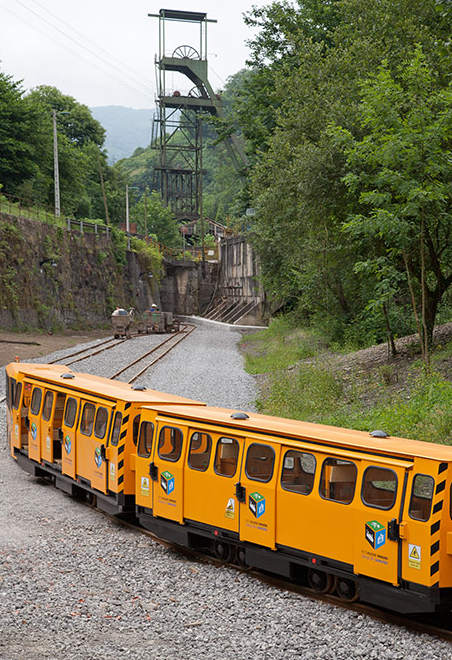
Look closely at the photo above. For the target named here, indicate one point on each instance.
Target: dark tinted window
(226, 457)
(87, 421)
(199, 452)
(70, 413)
(135, 429)
(100, 427)
(36, 401)
(145, 441)
(260, 460)
(47, 407)
(170, 443)
(421, 497)
(338, 480)
(298, 472)
(17, 396)
(116, 429)
(379, 487)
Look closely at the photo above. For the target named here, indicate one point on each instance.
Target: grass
(419, 407)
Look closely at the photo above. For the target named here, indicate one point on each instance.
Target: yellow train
(360, 515)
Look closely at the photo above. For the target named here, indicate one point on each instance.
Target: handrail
(19, 206)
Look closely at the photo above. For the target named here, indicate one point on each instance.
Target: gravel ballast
(76, 586)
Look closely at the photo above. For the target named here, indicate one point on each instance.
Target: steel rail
(84, 350)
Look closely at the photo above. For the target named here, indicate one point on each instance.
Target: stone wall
(51, 278)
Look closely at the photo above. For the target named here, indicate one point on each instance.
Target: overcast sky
(102, 51)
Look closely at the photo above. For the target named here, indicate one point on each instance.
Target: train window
(170, 443)
(226, 457)
(36, 400)
(17, 396)
(145, 441)
(100, 427)
(338, 480)
(421, 497)
(87, 421)
(199, 452)
(379, 487)
(70, 412)
(116, 429)
(260, 460)
(47, 407)
(298, 472)
(135, 429)
(10, 388)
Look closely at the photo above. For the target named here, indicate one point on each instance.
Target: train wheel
(223, 551)
(346, 590)
(240, 559)
(91, 499)
(319, 581)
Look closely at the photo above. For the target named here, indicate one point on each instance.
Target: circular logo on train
(34, 431)
(67, 444)
(97, 457)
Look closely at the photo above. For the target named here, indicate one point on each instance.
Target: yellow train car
(355, 514)
(359, 515)
(78, 429)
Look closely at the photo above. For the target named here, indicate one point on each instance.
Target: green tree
(160, 219)
(16, 126)
(401, 172)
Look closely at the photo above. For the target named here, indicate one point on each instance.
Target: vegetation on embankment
(301, 377)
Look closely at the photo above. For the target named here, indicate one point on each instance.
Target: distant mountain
(126, 129)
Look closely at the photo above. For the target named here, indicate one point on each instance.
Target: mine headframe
(177, 128)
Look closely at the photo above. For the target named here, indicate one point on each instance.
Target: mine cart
(160, 322)
(122, 321)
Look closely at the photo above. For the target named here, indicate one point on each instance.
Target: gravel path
(76, 586)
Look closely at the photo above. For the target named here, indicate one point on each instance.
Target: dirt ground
(30, 345)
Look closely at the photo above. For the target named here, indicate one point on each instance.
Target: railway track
(439, 626)
(157, 352)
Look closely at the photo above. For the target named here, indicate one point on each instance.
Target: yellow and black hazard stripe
(121, 448)
(435, 520)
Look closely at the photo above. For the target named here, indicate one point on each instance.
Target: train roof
(95, 385)
(284, 430)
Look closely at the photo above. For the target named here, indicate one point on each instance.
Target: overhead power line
(92, 63)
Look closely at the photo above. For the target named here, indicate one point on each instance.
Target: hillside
(126, 128)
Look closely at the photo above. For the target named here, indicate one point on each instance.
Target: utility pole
(55, 166)
(145, 211)
(107, 220)
(127, 217)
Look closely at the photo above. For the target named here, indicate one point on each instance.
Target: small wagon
(122, 321)
(158, 322)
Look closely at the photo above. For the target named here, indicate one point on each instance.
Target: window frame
(87, 403)
(105, 434)
(146, 454)
(69, 399)
(429, 476)
(220, 474)
(32, 410)
(48, 392)
(344, 461)
(210, 444)
(376, 506)
(307, 453)
(113, 436)
(267, 446)
(173, 428)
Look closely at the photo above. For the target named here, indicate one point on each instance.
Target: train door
(211, 476)
(257, 493)
(424, 507)
(115, 455)
(51, 419)
(34, 430)
(19, 413)
(167, 472)
(377, 520)
(91, 442)
(145, 438)
(68, 439)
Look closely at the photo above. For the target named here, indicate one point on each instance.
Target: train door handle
(153, 471)
(240, 492)
(393, 530)
(103, 452)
